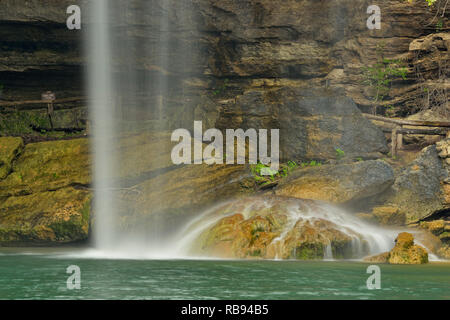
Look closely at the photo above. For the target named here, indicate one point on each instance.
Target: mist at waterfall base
(127, 100)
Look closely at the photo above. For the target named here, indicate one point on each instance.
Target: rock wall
(235, 48)
(46, 192)
(294, 65)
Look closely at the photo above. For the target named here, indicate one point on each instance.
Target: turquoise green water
(43, 276)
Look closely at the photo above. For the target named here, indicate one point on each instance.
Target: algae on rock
(10, 148)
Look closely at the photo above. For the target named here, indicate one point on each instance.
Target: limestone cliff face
(38, 51)
(233, 63)
(233, 46)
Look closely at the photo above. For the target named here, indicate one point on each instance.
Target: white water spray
(376, 239)
(138, 52)
(102, 121)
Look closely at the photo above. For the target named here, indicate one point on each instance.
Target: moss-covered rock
(44, 198)
(10, 147)
(444, 252)
(151, 185)
(23, 122)
(445, 236)
(406, 252)
(48, 166)
(436, 227)
(53, 216)
(308, 240)
(264, 228)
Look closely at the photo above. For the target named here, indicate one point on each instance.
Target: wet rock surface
(419, 190)
(338, 183)
(43, 197)
(281, 228)
(406, 252)
(313, 123)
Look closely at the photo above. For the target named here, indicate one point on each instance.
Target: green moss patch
(10, 148)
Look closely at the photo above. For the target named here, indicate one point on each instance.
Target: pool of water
(41, 274)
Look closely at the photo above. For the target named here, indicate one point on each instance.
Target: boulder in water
(406, 252)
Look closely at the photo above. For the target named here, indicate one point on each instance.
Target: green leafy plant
(292, 164)
(380, 76)
(339, 153)
(270, 175)
(312, 163)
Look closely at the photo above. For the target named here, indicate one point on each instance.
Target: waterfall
(102, 122)
(139, 54)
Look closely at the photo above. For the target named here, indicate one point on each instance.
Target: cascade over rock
(404, 252)
(274, 227)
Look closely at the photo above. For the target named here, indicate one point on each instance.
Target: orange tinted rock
(338, 183)
(404, 240)
(444, 252)
(406, 252)
(380, 258)
(413, 255)
(436, 227)
(389, 215)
